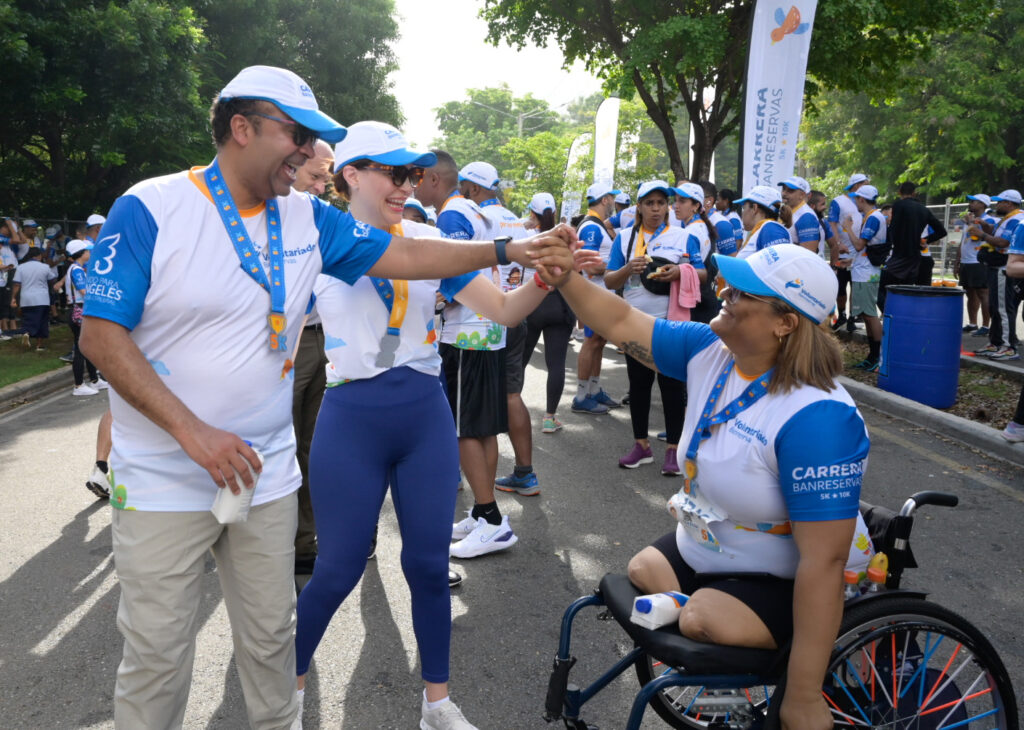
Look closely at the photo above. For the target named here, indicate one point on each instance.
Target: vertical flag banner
(780, 40)
(573, 185)
(606, 132)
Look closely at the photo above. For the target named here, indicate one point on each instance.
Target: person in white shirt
(31, 292)
(805, 230)
(197, 288)
(971, 273)
(80, 253)
(865, 272)
(8, 266)
(844, 220)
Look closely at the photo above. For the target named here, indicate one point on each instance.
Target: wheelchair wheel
(700, 707)
(906, 662)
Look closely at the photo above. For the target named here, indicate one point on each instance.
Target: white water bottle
(658, 609)
(229, 507)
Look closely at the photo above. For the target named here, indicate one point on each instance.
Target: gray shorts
(865, 299)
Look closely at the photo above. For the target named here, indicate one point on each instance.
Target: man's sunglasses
(300, 135)
(398, 173)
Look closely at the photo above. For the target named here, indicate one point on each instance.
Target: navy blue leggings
(396, 429)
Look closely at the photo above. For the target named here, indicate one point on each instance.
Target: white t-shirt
(669, 243)
(7, 258)
(873, 231)
(35, 289)
(794, 456)
(594, 237)
(968, 247)
(355, 318)
(507, 223)
(75, 283)
(463, 220)
(166, 269)
(843, 212)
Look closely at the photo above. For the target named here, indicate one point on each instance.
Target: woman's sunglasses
(734, 295)
(300, 135)
(398, 173)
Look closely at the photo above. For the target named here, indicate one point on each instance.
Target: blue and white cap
(857, 177)
(868, 192)
(95, 220)
(796, 183)
(289, 93)
(981, 198)
(762, 195)
(76, 246)
(791, 273)
(483, 174)
(599, 189)
(541, 202)
(29, 223)
(622, 199)
(649, 187)
(1010, 196)
(693, 191)
(381, 143)
(416, 205)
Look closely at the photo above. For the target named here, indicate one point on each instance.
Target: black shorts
(6, 311)
(36, 321)
(843, 276)
(974, 276)
(769, 597)
(476, 390)
(515, 345)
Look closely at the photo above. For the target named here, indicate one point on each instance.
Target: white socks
(433, 705)
(594, 385)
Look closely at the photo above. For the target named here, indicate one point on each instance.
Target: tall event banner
(572, 194)
(780, 40)
(606, 133)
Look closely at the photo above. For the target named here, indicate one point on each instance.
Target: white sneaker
(465, 526)
(446, 717)
(84, 389)
(297, 722)
(485, 538)
(99, 483)
(4, 338)
(100, 384)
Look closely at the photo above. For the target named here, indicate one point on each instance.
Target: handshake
(555, 254)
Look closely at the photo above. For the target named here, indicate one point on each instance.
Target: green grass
(18, 362)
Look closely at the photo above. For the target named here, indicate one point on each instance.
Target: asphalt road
(58, 590)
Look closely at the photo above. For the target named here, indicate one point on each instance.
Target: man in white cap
(197, 289)
(866, 271)
(805, 230)
(971, 273)
(844, 220)
(1002, 298)
(93, 224)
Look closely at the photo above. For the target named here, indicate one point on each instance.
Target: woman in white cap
(689, 208)
(765, 219)
(553, 319)
(644, 261)
(384, 421)
(775, 451)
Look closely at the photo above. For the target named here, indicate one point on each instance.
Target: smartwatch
(499, 249)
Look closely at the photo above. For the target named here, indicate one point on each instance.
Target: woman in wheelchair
(774, 454)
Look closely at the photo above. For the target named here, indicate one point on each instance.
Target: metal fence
(944, 250)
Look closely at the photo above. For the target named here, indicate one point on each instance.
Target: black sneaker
(851, 325)
(839, 323)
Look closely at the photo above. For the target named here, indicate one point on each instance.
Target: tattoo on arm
(639, 351)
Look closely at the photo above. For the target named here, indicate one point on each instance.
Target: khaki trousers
(160, 559)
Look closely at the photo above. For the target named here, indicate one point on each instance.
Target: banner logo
(788, 23)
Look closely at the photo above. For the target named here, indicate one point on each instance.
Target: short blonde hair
(809, 355)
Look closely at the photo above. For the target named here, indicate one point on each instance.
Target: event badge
(695, 513)
(388, 347)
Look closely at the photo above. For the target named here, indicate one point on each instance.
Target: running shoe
(980, 332)
(588, 405)
(485, 538)
(662, 436)
(525, 486)
(839, 323)
(637, 455)
(84, 389)
(454, 579)
(1003, 354)
(100, 384)
(606, 400)
(867, 364)
(463, 527)
(70, 357)
(969, 328)
(851, 324)
(873, 368)
(671, 466)
(4, 338)
(1014, 432)
(551, 425)
(99, 483)
(987, 349)
(446, 717)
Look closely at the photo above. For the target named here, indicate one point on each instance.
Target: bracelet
(540, 282)
(499, 250)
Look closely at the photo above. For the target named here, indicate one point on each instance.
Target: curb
(38, 386)
(970, 433)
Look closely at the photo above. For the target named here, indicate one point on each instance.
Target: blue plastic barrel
(921, 339)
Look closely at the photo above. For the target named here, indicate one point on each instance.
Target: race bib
(695, 514)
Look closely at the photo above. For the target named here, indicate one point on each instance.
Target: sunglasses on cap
(300, 135)
(398, 173)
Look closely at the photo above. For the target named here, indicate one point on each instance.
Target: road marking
(948, 463)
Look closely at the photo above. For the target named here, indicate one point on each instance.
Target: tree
(88, 111)
(675, 54)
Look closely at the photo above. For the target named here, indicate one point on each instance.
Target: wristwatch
(499, 249)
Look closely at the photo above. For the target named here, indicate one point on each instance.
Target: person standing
(74, 284)
(1014, 431)
(765, 219)
(909, 219)
(8, 267)
(865, 272)
(805, 230)
(93, 224)
(1002, 297)
(196, 347)
(725, 238)
(844, 220)
(971, 274)
(31, 292)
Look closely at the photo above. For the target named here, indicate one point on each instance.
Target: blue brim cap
(326, 128)
(680, 193)
(396, 158)
(739, 275)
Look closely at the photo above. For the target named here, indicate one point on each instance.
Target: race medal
(277, 323)
(388, 347)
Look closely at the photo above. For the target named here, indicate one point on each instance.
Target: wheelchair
(899, 661)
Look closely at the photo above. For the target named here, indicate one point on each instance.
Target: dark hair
(546, 219)
(816, 195)
(341, 184)
(887, 206)
(33, 253)
(728, 196)
(783, 215)
(576, 220)
(223, 111)
(709, 188)
(638, 220)
(712, 232)
(907, 188)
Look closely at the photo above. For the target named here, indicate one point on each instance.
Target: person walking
(31, 292)
(80, 253)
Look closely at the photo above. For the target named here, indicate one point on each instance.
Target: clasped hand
(557, 253)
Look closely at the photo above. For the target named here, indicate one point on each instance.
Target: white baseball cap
(599, 189)
(29, 224)
(95, 220)
(76, 246)
(483, 174)
(868, 192)
(857, 177)
(1010, 196)
(541, 202)
(289, 93)
(693, 191)
(381, 143)
(791, 273)
(622, 199)
(762, 195)
(796, 183)
(649, 187)
(413, 203)
(981, 197)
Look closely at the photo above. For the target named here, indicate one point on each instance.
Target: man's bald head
(439, 180)
(314, 175)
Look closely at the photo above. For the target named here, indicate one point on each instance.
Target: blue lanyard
(492, 201)
(703, 431)
(247, 256)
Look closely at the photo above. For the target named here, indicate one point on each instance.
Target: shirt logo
(789, 23)
(361, 230)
